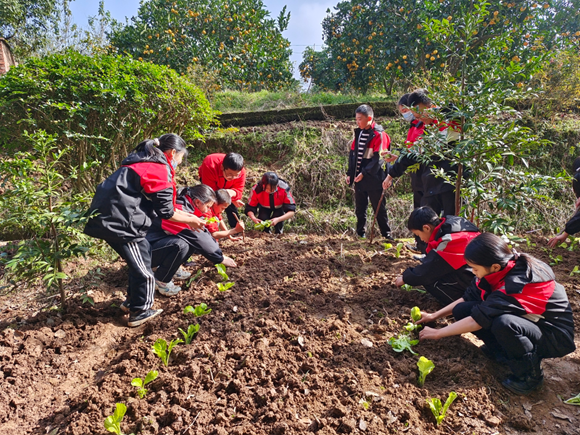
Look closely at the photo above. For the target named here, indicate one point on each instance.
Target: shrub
(101, 106)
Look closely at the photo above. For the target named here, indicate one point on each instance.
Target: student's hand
(399, 281)
(238, 203)
(358, 178)
(558, 239)
(228, 262)
(235, 239)
(577, 204)
(275, 221)
(240, 227)
(256, 220)
(347, 179)
(196, 224)
(387, 182)
(425, 318)
(429, 334)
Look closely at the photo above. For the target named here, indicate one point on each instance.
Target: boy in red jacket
(225, 171)
(218, 229)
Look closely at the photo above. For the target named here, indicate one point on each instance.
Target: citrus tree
(236, 39)
(379, 43)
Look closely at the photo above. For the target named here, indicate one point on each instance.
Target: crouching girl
(515, 306)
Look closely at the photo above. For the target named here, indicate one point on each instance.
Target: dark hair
(164, 143)
(364, 109)
(404, 100)
(233, 161)
(270, 179)
(223, 197)
(419, 96)
(576, 164)
(488, 249)
(422, 216)
(202, 193)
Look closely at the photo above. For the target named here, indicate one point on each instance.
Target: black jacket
(126, 202)
(371, 167)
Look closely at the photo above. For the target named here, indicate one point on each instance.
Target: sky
(304, 29)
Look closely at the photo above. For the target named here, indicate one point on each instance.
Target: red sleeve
(253, 201)
(208, 175)
(380, 142)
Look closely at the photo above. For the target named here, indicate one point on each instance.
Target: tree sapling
(140, 383)
(199, 310)
(163, 351)
(426, 366)
(438, 410)
(113, 422)
(191, 331)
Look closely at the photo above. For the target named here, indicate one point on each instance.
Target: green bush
(100, 106)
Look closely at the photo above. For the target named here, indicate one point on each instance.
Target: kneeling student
(271, 199)
(218, 229)
(173, 243)
(443, 272)
(515, 306)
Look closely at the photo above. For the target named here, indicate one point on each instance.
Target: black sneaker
(525, 385)
(419, 257)
(412, 248)
(389, 238)
(125, 307)
(139, 317)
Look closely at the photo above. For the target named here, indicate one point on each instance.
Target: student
(515, 306)
(365, 170)
(573, 225)
(443, 272)
(436, 192)
(271, 199)
(172, 243)
(225, 171)
(124, 206)
(218, 229)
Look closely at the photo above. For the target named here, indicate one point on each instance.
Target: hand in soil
(429, 333)
(399, 281)
(229, 262)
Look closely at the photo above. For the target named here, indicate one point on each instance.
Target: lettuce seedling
(410, 288)
(263, 225)
(573, 400)
(191, 331)
(212, 220)
(412, 327)
(398, 250)
(426, 366)
(162, 350)
(140, 383)
(199, 310)
(225, 287)
(221, 268)
(403, 342)
(438, 410)
(113, 422)
(194, 277)
(415, 314)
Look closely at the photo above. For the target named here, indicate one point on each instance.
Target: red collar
(432, 242)
(494, 279)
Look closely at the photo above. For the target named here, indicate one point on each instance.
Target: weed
(438, 410)
(194, 277)
(140, 383)
(199, 310)
(191, 331)
(163, 350)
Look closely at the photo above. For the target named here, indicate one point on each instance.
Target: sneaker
(181, 274)
(125, 307)
(419, 257)
(139, 317)
(389, 238)
(167, 288)
(524, 385)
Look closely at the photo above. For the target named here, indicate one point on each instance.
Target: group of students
(509, 300)
(156, 227)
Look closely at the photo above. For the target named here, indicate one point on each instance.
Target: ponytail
(164, 143)
(202, 193)
(422, 216)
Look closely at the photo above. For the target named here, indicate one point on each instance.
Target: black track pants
(361, 198)
(265, 213)
(443, 204)
(446, 290)
(167, 254)
(141, 289)
(230, 212)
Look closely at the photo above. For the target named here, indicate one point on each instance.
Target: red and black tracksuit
(443, 272)
(172, 243)
(211, 174)
(365, 158)
(124, 206)
(573, 225)
(524, 314)
(266, 206)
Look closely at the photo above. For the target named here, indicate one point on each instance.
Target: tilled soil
(298, 345)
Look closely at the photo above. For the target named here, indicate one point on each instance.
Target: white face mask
(408, 116)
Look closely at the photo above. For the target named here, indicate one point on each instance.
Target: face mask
(408, 116)
(173, 164)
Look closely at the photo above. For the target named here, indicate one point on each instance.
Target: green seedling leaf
(222, 271)
(575, 271)
(398, 248)
(194, 277)
(439, 411)
(191, 331)
(140, 383)
(387, 246)
(573, 400)
(163, 351)
(199, 310)
(410, 288)
(263, 225)
(412, 327)
(403, 342)
(212, 220)
(415, 314)
(113, 422)
(426, 366)
(224, 287)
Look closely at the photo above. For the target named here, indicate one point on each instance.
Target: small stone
(235, 309)
(301, 341)
(60, 334)
(50, 321)
(492, 421)
(362, 425)
(306, 391)
(366, 343)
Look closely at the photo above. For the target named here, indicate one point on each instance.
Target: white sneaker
(181, 274)
(167, 289)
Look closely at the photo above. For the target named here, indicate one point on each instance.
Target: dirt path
(285, 351)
